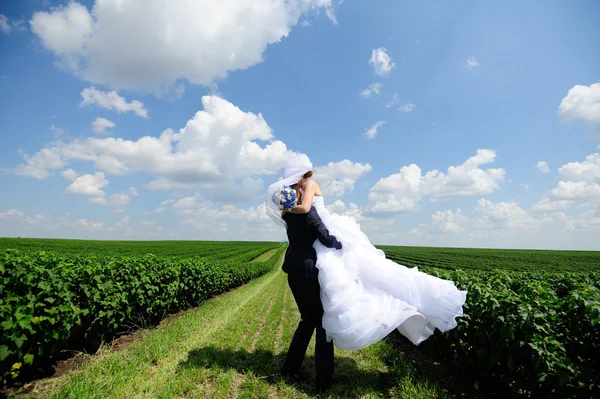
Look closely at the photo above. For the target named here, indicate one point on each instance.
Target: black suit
(299, 264)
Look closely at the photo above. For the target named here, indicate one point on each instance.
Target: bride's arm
(307, 198)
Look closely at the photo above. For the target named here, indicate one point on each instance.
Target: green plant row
(178, 249)
(51, 302)
(491, 259)
(240, 254)
(528, 332)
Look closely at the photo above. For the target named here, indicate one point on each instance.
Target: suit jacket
(302, 231)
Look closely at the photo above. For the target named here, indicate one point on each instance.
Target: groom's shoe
(323, 384)
(293, 375)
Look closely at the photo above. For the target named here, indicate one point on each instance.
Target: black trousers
(307, 295)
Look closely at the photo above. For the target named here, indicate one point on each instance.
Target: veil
(294, 171)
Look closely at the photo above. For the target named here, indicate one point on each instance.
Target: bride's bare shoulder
(315, 185)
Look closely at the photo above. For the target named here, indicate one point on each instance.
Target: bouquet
(285, 198)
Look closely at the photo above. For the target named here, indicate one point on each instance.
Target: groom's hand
(336, 243)
(315, 223)
(298, 195)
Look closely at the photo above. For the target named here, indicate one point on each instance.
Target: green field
(444, 258)
(490, 259)
(178, 249)
(531, 324)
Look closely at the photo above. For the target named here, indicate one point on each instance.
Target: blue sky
(377, 94)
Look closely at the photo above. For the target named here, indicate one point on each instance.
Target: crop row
(526, 332)
(51, 302)
(491, 259)
(178, 249)
(243, 254)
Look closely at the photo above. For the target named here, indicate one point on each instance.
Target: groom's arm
(315, 223)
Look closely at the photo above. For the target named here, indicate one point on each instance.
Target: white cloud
(123, 222)
(113, 101)
(337, 206)
(330, 10)
(373, 89)
(215, 147)
(238, 190)
(5, 25)
(39, 165)
(588, 170)
(416, 233)
(588, 221)
(408, 107)
(338, 178)
(547, 204)
(123, 225)
(471, 63)
(70, 174)
(448, 221)
(17, 216)
(542, 166)
(507, 216)
(578, 183)
(66, 30)
(576, 190)
(163, 206)
(120, 199)
(185, 203)
(101, 125)
(89, 185)
(582, 102)
(393, 100)
(402, 192)
(372, 131)
(149, 228)
(204, 217)
(37, 219)
(375, 228)
(11, 212)
(151, 45)
(89, 225)
(500, 225)
(59, 131)
(466, 179)
(381, 61)
(98, 200)
(169, 185)
(149, 223)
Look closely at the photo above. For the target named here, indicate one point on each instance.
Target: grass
(233, 346)
(266, 256)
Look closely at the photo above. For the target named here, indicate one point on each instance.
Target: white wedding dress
(366, 296)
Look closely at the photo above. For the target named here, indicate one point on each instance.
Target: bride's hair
(308, 174)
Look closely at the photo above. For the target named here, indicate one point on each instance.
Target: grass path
(230, 348)
(266, 256)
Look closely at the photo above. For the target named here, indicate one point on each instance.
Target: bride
(366, 296)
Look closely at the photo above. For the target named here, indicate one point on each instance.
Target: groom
(299, 264)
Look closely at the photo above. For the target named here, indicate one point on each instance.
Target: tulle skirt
(366, 296)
